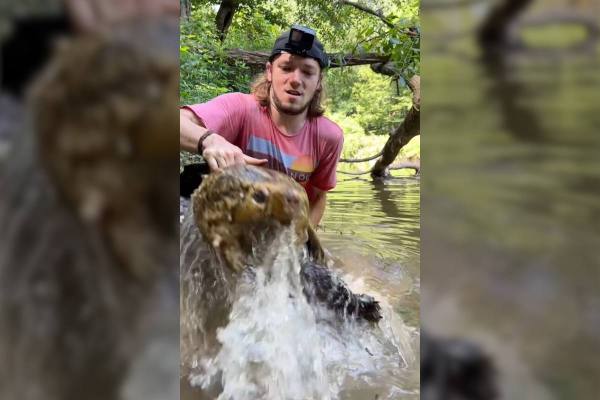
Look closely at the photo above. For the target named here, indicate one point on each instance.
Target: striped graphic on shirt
(298, 167)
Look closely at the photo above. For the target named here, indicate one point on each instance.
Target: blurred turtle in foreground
(243, 209)
(88, 214)
(456, 369)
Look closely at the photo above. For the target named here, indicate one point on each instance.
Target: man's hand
(94, 15)
(219, 153)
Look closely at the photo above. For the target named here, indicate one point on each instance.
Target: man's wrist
(200, 146)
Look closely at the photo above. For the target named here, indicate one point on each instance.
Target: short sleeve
(223, 114)
(324, 175)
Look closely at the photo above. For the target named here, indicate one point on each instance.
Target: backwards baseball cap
(302, 41)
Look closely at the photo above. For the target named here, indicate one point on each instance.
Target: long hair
(261, 87)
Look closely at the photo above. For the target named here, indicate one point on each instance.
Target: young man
(280, 125)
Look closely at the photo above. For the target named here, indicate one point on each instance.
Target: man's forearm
(190, 131)
(317, 209)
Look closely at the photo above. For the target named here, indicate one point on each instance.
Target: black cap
(316, 51)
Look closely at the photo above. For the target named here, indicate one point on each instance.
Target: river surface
(511, 201)
(373, 228)
(273, 347)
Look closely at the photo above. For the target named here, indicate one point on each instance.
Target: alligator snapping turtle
(87, 215)
(239, 212)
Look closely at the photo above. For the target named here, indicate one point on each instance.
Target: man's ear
(269, 69)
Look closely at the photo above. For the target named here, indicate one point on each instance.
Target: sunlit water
(272, 344)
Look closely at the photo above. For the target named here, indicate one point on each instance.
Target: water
(510, 227)
(275, 345)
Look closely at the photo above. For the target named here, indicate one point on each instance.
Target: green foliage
(205, 71)
(347, 29)
(369, 98)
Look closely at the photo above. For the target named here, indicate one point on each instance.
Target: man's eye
(286, 69)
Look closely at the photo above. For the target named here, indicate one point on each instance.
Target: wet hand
(219, 154)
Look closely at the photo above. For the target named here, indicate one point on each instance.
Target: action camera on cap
(301, 38)
(302, 41)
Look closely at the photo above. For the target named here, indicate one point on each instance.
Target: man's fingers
(239, 158)
(230, 158)
(212, 163)
(254, 161)
(222, 161)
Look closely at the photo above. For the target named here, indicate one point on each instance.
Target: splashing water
(255, 336)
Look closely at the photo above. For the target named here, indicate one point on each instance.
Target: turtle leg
(323, 286)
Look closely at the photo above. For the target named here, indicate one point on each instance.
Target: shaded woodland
(373, 85)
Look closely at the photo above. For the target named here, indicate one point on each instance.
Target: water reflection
(373, 230)
(510, 227)
(379, 217)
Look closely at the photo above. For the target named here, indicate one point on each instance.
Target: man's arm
(217, 151)
(317, 207)
(190, 131)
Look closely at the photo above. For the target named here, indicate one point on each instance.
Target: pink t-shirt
(310, 156)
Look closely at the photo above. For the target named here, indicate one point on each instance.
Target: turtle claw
(368, 308)
(323, 286)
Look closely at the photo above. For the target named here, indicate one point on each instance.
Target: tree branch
(354, 173)
(409, 32)
(337, 59)
(443, 5)
(357, 160)
(368, 10)
(416, 165)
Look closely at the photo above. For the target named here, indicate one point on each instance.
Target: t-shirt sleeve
(324, 176)
(223, 114)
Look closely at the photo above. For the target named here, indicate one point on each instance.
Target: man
(280, 125)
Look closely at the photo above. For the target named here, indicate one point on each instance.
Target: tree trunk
(493, 32)
(225, 16)
(185, 9)
(408, 129)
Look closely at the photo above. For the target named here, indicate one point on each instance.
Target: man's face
(294, 82)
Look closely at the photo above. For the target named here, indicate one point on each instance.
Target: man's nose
(295, 78)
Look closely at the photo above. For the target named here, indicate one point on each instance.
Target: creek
(271, 344)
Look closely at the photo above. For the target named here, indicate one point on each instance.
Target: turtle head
(281, 201)
(241, 202)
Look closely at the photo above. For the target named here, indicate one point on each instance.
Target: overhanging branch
(368, 10)
(357, 160)
(254, 58)
(377, 13)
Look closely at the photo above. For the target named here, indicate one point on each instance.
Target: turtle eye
(259, 197)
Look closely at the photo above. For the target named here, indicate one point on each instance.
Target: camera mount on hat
(302, 41)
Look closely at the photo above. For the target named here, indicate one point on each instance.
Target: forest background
(374, 47)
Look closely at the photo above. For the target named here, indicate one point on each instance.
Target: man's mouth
(293, 93)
